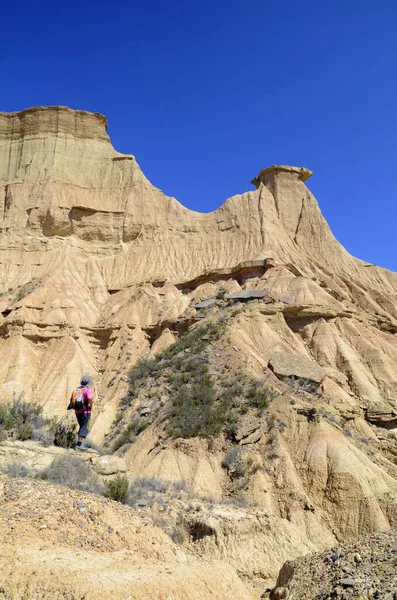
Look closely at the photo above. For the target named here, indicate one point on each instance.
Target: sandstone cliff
(99, 268)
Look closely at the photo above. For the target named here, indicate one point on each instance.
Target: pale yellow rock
(99, 268)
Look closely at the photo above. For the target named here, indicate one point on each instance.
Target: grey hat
(86, 380)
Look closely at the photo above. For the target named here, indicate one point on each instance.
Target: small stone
(83, 510)
(110, 529)
(143, 502)
(335, 556)
(348, 582)
(357, 558)
(80, 505)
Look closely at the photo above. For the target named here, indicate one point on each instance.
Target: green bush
(20, 419)
(117, 489)
(259, 397)
(27, 412)
(6, 419)
(202, 404)
(64, 433)
(129, 433)
(24, 432)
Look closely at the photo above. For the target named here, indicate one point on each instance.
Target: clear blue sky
(205, 93)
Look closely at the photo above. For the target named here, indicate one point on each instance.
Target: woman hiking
(82, 401)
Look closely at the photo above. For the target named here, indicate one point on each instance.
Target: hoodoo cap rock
(86, 380)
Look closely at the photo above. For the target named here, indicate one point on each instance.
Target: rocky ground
(363, 569)
(63, 544)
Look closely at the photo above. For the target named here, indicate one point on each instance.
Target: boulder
(287, 364)
(109, 465)
(207, 303)
(246, 427)
(382, 415)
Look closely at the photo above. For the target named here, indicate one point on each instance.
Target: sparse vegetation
(230, 458)
(117, 489)
(72, 472)
(196, 409)
(282, 426)
(21, 420)
(15, 469)
(203, 399)
(130, 431)
(64, 433)
(144, 490)
(302, 384)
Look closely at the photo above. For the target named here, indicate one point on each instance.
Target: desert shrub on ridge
(72, 472)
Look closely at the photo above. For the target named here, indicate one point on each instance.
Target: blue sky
(205, 93)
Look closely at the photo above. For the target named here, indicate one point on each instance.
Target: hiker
(81, 401)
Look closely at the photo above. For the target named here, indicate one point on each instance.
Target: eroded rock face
(83, 229)
(99, 268)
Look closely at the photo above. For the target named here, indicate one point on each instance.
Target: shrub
(15, 469)
(6, 418)
(72, 472)
(45, 436)
(194, 411)
(117, 489)
(143, 491)
(230, 458)
(64, 433)
(27, 412)
(20, 419)
(258, 397)
(24, 432)
(303, 384)
(130, 431)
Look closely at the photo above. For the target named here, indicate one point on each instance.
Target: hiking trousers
(83, 420)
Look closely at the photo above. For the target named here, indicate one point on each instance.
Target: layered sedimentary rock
(99, 268)
(81, 223)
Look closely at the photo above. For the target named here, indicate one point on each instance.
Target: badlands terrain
(245, 372)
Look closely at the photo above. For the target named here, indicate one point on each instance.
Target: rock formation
(99, 268)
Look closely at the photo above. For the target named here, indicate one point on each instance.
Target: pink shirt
(87, 397)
